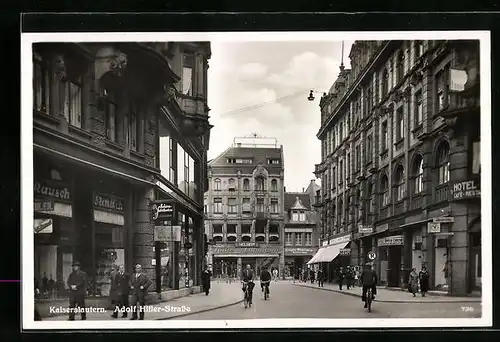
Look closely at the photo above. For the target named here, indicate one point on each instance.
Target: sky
(255, 75)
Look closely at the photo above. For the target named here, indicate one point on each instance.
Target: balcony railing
(399, 208)
(417, 201)
(441, 193)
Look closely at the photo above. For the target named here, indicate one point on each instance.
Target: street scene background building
(400, 169)
(116, 127)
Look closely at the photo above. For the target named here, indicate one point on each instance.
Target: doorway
(394, 265)
(475, 269)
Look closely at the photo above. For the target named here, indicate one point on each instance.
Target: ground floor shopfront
(333, 254)
(101, 220)
(229, 260)
(296, 259)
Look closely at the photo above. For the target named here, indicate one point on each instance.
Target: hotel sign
(395, 240)
(299, 250)
(466, 189)
(247, 250)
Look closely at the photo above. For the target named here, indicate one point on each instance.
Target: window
(232, 184)
(419, 48)
(384, 189)
(302, 216)
(341, 172)
(347, 207)
(41, 84)
(259, 184)
(232, 206)
(369, 196)
(245, 228)
(358, 158)
(182, 169)
(369, 101)
(260, 205)
(385, 83)
(274, 206)
(274, 185)
(339, 213)
(295, 216)
(111, 117)
(217, 228)
(231, 229)
(187, 74)
(289, 239)
(419, 109)
(334, 173)
(443, 163)
(442, 96)
(218, 205)
(134, 131)
(399, 124)
(173, 165)
(308, 238)
(246, 205)
(73, 101)
(369, 148)
(385, 137)
(341, 132)
(217, 186)
(400, 66)
(298, 239)
(400, 183)
(246, 184)
(418, 172)
(274, 229)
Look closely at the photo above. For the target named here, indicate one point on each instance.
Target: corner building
(117, 126)
(245, 207)
(400, 165)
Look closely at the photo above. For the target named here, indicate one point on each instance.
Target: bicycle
(369, 299)
(246, 298)
(265, 285)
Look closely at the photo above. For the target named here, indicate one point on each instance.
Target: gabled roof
(259, 156)
(301, 199)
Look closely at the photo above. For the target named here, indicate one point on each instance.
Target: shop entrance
(475, 257)
(394, 265)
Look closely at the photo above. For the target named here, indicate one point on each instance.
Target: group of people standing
(415, 279)
(348, 276)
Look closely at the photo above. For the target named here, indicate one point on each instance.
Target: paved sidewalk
(390, 296)
(221, 295)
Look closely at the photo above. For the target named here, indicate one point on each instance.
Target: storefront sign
(467, 189)
(243, 251)
(444, 219)
(299, 250)
(41, 205)
(53, 190)
(163, 211)
(345, 251)
(382, 228)
(108, 202)
(365, 229)
(109, 217)
(395, 240)
(247, 244)
(167, 233)
(433, 227)
(342, 239)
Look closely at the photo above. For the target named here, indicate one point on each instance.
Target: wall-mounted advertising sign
(395, 240)
(365, 229)
(465, 190)
(108, 202)
(162, 211)
(52, 190)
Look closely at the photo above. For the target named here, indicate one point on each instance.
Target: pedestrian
(356, 277)
(320, 278)
(447, 273)
(139, 284)
(121, 282)
(275, 274)
(348, 277)
(413, 282)
(112, 290)
(77, 282)
(311, 275)
(341, 276)
(205, 280)
(424, 280)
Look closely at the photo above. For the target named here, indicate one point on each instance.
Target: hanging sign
(365, 229)
(162, 211)
(433, 227)
(167, 233)
(345, 251)
(371, 255)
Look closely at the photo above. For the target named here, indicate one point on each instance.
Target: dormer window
(239, 160)
(273, 161)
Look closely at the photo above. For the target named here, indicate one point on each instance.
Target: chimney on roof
(303, 190)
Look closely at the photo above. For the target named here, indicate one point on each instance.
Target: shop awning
(331, 252)
(316, 256)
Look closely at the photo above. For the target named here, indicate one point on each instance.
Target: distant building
(244, 207)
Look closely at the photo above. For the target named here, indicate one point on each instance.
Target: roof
(259, 156)
(291, 199)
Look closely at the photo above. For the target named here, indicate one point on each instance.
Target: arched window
(217, 186)
(384, 190)
(385, 82)
(218, 238)
(246, 184)
(231, 184)
(334, 212)
(245, 238)
(399, 182)
(339, 211)
(418, 175)
(259, 184)
(231, 238)
(260, 238)
(443, 163)
(274, 185)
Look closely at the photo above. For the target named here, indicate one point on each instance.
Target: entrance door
(394, 266)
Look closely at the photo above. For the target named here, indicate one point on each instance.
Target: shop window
(289, 239)
(217, 184)
(187, 74)
(384, 189)
(274, 185)
(443, 163)
(232, 206)
(400, 183)
(218, 205)
(231, 184)
(274, 206)
(246, 184)
(41, 83)
(418, 174)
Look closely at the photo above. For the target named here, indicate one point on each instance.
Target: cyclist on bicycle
(265, 279)
(247, 279)
(368, 280)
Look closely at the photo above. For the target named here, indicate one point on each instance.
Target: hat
(76, 263)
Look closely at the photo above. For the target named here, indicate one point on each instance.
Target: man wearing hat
(77, 282)
(139, 284)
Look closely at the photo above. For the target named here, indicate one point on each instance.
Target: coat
(247, 275)
(120, 283)
(413, 281)
(424, 281)
(136, 283)
(205, 279)
(79, 279)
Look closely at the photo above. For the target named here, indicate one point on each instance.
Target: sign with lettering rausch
(52, 189)
(108, 202)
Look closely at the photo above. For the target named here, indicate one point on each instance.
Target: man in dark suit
(139, 284)
(121, 282)
(77, 282)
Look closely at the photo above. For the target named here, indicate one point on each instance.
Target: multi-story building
(400, 162)
(245, 206)
(301, 238)
(117, 127)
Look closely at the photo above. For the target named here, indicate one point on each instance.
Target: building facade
(245, 207)
(301, 238)
(116, 128)
(400, 165)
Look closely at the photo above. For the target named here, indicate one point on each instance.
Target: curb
(201, 311)
(391, 301)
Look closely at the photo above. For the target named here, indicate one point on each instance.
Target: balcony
(441, 193)
(417, 202)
